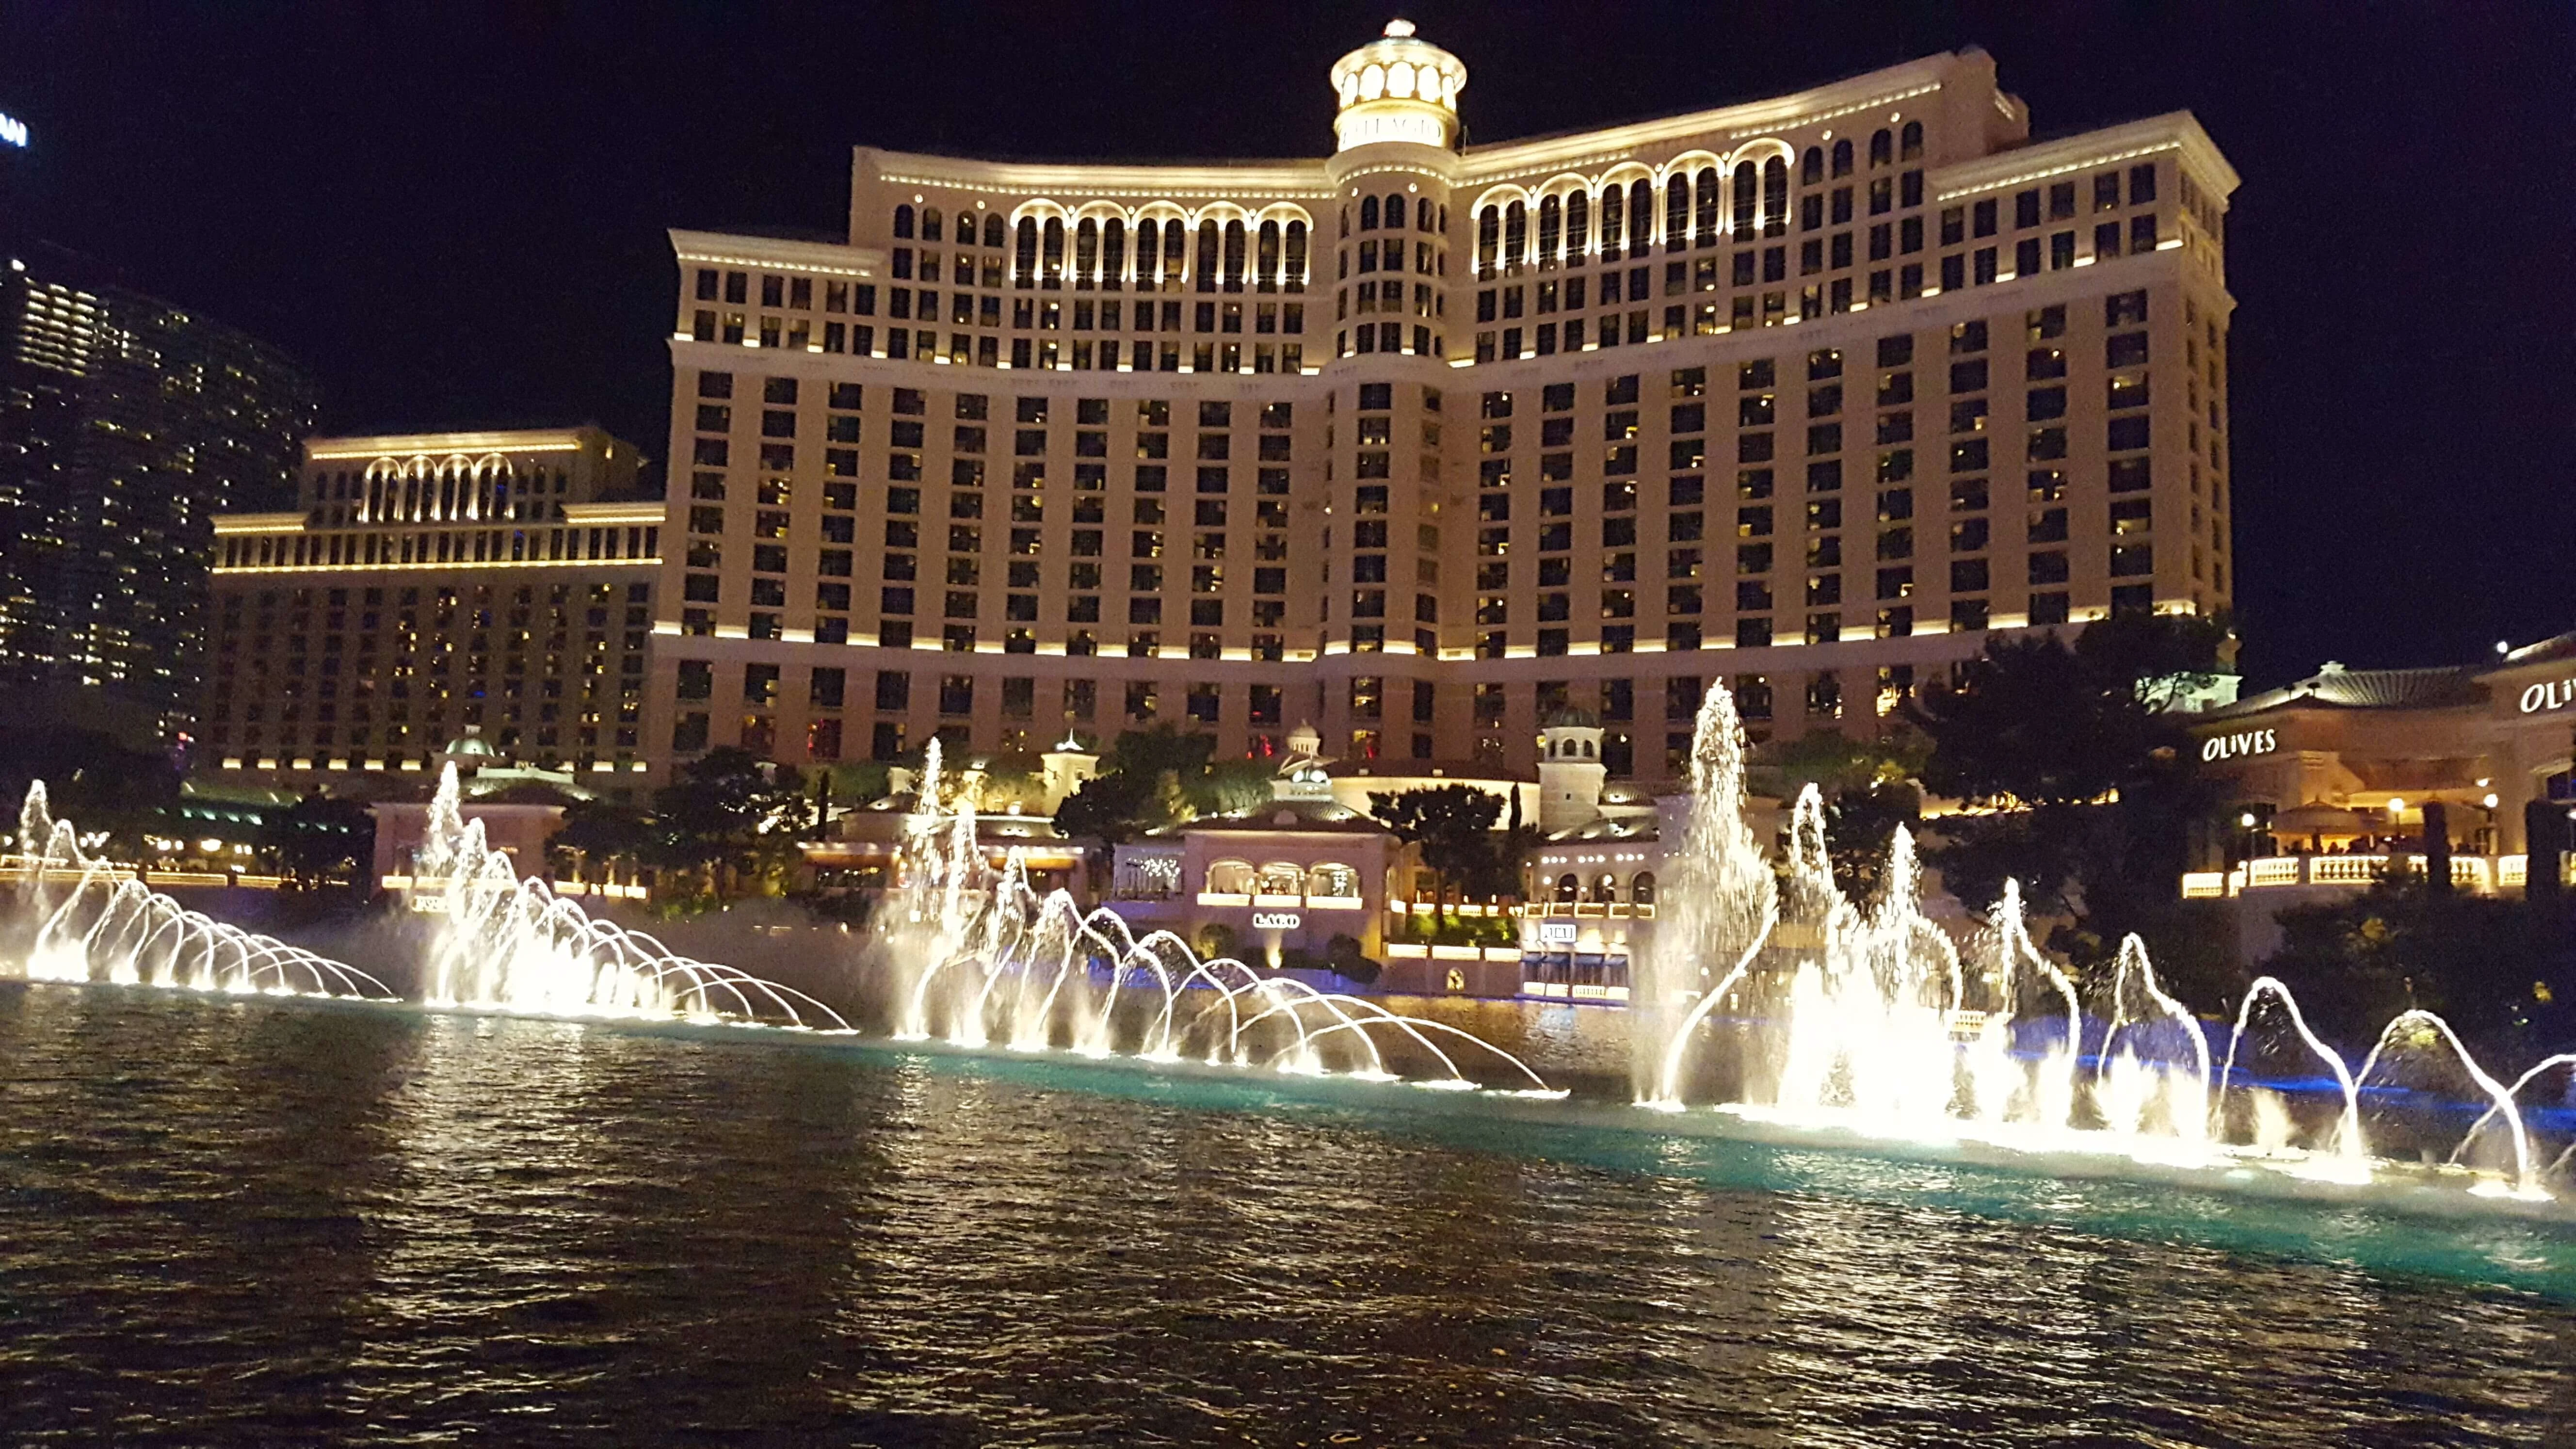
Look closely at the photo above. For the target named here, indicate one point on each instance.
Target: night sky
(455, 216)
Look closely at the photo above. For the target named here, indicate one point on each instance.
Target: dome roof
(1571, 718)
(469, 745)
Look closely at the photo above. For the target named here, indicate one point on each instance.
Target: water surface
(252, 1223)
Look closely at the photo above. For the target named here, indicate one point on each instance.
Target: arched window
(1053, 275)
(1333, 881)
(1282, 878)
(1230, 877)
(1024, 263)
(1811, 167)
(1775, 197)
(1587, 749)
(1368, 213)
(1882, 146)
(1641, 888)
(1208, 243)
(1910, 145)
(1395, 211)
(1515, 236)
(1748, 196)
(930, 227)
(1295, 261)
(1551, 231)
(1086, 254)
(1489, 236)
(1578, 226)
(1422, 214)
(1709, 202)
(1266, 258)
(903, 222)
(1605, 887)
(1677, 213)
(1842, 157)
(1614, 218)
(1567, 888)
(1113, 253)
(1234, 244)
(993, 231)
(1176, 249)
(1641, 217)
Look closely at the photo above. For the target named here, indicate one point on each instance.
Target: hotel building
(1428, 444)
(126, 424)
(427, 591)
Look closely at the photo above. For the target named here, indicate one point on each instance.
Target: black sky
(454, 215)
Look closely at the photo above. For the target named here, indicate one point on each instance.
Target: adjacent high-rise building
(489, 592)
(126, 425)
(1425, 444)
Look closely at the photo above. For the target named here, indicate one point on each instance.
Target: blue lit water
(260, 1223)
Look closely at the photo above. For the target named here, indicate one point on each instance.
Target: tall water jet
(1723, 905)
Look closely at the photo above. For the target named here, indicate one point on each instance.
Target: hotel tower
(1425, 443)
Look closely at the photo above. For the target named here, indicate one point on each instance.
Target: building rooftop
(1310, 816)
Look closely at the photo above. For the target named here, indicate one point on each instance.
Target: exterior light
(2490, 801)
(2246, 820)
(210, 844)
(2503, 648)
(2396, 806)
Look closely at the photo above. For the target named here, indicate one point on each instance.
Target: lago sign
(1275, 920)
(2239, 745)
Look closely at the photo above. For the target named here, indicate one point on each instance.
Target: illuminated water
(235, 1222)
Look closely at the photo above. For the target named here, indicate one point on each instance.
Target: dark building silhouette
(126, 424)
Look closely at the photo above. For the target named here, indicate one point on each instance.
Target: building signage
(1275, 920)
(1556, 933)
(13, 132)
(2240, 744)
(2542, 698)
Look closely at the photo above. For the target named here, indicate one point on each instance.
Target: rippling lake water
(255, 1223)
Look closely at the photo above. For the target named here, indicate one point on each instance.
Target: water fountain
(86, 920)
(510, 944)
(503, 944)
(1864, 1021)
(984, 959)
(1773, 1006)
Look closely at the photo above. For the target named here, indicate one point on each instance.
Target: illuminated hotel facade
(426, 590)
(1425, 444)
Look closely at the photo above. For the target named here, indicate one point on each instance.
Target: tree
(2086, 769)
(1156, 777)
(725, 811)
(1151, 752)
(2500, 970)
(1453, 825)
(1868, 788)
(596, 832)
(1228, 787)
(320, 840)
(1107, 808)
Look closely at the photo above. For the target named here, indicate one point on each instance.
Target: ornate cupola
(1398, 88)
